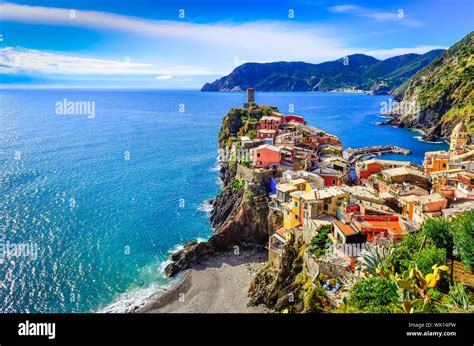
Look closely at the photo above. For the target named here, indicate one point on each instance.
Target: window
(296, 217)
(258, 154)
(296, 204)
(334, 181)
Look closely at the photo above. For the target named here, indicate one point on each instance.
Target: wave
(206, 207)
(216, 168)
(132, 300)
(420, 138)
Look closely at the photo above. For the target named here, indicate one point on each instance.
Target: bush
(402, 257)
(428, 257)
(374, 294)
(439, 231)
(237, 185)
(463, 238)
(315, 299)
(320, 239)
(252, 134)
(460, 297)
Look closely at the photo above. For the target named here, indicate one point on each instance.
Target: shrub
(463, 238)
(237, 185)
(315, 299)
(252, 134)
(439, 230)
(374, 294)
(320, 240)
(459, 297)
(404, 251)
(428, 257)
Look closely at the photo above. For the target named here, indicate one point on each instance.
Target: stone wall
(254, 176)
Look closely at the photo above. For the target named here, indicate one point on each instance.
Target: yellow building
(292, 213)
(436, 161)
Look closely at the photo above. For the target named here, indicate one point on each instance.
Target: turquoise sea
(106, 199)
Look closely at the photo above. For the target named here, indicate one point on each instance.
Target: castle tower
(459, 136)
(250, 95)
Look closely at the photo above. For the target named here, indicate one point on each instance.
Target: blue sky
(183, 44)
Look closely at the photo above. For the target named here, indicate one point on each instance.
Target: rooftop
(298, 181)
(269, 147)
(308, 195)
(266, 117)
(285, 187)
(435, 197)
(266, 131)
(346, 229)
(394, 172)
(296, 194)
(385, 162)
(328, 192)
(393, 226)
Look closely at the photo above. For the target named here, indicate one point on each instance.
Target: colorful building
(419, 208)
(376, 227)
(270, 122)
(265, 156)
(295, 118)
(364, 169)
(436, 161)
(464, 188)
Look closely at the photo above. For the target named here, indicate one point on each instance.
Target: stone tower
(459, 136)
(250, 95)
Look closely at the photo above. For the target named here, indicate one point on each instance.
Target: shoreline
(217, 285)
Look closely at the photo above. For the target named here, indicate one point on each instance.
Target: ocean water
(104, 200)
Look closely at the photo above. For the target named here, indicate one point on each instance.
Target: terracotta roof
(281, 232)
(393, 226)
(346, 229)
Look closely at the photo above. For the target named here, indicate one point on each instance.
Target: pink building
(266, 155)
(270, 122)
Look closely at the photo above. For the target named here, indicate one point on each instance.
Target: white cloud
(380, 16)
(18, 60)
(264, 40)
(260, 41)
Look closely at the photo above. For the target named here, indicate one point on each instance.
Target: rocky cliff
(238, 219)
(440, 95)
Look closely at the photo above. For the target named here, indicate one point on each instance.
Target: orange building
(436, 161)
(379, 226)
(266, 155)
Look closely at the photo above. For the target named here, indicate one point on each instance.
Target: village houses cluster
(311, 184)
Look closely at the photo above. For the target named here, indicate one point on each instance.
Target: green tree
(405, 250)
(439, 230)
